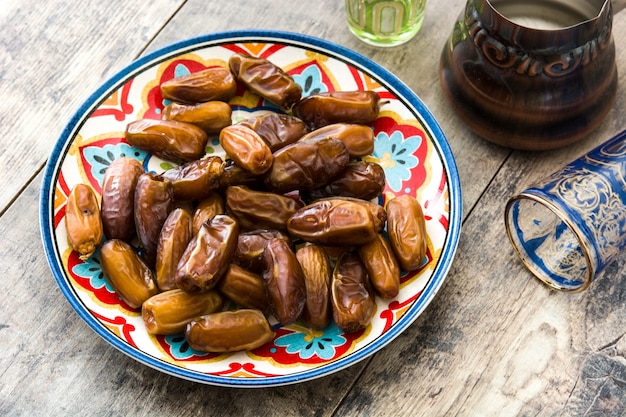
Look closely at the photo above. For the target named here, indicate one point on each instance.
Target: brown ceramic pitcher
(531, 75)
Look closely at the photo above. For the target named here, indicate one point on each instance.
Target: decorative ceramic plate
(409, 144)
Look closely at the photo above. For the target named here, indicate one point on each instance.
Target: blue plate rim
(294, 39)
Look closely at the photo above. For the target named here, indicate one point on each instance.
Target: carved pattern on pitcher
(508, 56)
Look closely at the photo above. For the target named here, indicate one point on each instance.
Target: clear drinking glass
(385, 22)
(569, 227)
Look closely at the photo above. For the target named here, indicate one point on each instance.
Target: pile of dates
(283, 225)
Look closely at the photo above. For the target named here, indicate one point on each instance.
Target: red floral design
(116, 105)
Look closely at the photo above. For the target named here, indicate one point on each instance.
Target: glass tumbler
(570, 226)
(385, 22)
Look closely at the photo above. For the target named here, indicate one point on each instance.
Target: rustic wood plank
(52, 56)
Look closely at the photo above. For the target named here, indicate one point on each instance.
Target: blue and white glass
(570, 226)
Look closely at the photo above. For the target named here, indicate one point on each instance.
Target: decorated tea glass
(385, 22)
(570, 226)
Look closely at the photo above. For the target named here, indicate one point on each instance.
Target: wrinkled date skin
(168, 139)
(359, 179)
(211, 116)
(284, 281)
(382, 266)
(211, 84)
(277, 130)
(229, 331)
(169, 312)
(355, 107)
(233, 174)
(317, 277)
(195, 180)
(173, 239)
(359, 139)
(259, 209)
(83, 221)
(306, 165)
(154, 200)
(338, 222)
(131, 278)
(118, 195)
(208, 255)
(266, 79)
(244, 146)
(250, 247)
(406, 228)
(352, 300)
(244, 288)
(206, 210)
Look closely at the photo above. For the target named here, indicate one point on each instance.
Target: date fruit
(306, 165)
(168, 139)
(244, 288)
(277, 130)
(359, 179)
(265, 79)
(284, 281)
(169, 312)
(129, 275)
(206, 209)
(233, 174)
(208, 255)
(229, 331)
(154, 200)
(173, 239)
(382, 266)
(338, 222)
(317, 277)
(351, 297)
(211, 116)
(259, 209)
(322, 109)
(83, 221)
(244, 146)
(211, 84)
(250, 247)
(406, 228)
(359, 139)
(118, 196)
(195, 180)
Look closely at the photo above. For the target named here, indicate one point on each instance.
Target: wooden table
(493, 342)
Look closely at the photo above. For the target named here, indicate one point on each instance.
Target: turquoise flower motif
(101, 158)
(309, 343)
(311, 81)
(91, 269)
(180, 71)
(397, 156)
(179, 348)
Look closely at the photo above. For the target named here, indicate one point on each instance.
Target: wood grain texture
(494, 342)
(52, 56)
